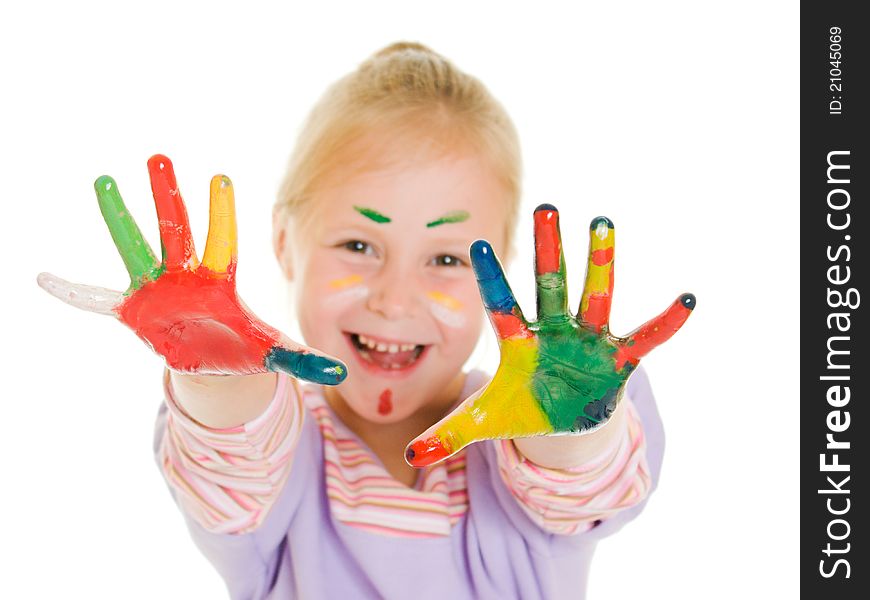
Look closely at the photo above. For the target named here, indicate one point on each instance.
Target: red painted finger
(551, 289)
(655, 331)
(175, 236)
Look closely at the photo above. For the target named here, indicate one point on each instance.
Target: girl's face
(383, 279)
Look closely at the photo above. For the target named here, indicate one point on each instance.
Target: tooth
(393, 348)
(370, 344)
(382, 347)
(362, 339)
(405, 347)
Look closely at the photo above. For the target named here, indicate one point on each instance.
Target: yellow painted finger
(598, 289)
(222, 243)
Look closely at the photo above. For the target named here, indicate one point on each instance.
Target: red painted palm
(561, 374)
(185, 310)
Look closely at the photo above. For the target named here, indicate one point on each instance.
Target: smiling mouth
(386, 355)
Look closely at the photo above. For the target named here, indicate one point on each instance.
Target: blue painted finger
(494, 289)
(306, 366)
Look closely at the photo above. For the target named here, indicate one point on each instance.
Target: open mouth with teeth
(386, 355)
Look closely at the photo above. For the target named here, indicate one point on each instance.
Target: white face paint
(445, 315)
(346, 289)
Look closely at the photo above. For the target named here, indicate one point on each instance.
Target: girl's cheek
(342, 290)
(332, 282)
(455, 304)
(447, 309)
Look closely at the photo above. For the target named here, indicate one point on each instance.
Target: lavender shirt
(495, 551)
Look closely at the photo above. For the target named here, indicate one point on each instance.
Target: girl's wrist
(222, 401)
(567, 451)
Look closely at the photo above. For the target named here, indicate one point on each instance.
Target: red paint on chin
(423, 453)
(548, 246)
(385, 403)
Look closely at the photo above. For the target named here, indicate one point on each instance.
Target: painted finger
(175, 237)
(441, 440)
(138, 258)
(86, 297)
(655, 331)
(598, 288)
(304, 363)
(551, 290)
(500, 411)
(501, 306)
(222, 243)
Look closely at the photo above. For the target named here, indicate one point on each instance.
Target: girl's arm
(230, 430)
(227, 479)
(566, 498)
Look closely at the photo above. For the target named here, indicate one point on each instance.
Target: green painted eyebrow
(457, 216)
(372, 214)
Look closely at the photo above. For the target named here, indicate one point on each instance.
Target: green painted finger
(551, 288)
(140, 261)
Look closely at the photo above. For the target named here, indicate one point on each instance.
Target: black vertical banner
(835, 361)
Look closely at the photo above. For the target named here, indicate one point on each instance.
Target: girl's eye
(358, 246)
(447, 260)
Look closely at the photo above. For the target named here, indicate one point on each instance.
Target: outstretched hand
(185, 310)
(560, 374)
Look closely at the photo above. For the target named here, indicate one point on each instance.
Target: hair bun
(397, 47)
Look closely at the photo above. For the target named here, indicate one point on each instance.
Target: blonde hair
(405, 91)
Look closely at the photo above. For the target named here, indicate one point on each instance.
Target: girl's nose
(395, 295)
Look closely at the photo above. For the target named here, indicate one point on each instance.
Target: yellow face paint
(445, 300)
(446, 309)
(346, 289)
(339, 284)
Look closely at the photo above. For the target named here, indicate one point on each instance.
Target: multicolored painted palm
(185, 310)
(560, 374)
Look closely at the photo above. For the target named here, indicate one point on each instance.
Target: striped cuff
(228, 479)
(567, 501)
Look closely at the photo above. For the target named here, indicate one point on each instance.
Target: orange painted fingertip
(423, 453)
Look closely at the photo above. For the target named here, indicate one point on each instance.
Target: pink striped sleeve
(228, 479)
(567, 501)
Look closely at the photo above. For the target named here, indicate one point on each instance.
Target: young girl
(306, 490)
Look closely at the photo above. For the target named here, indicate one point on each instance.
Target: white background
(678, 120)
